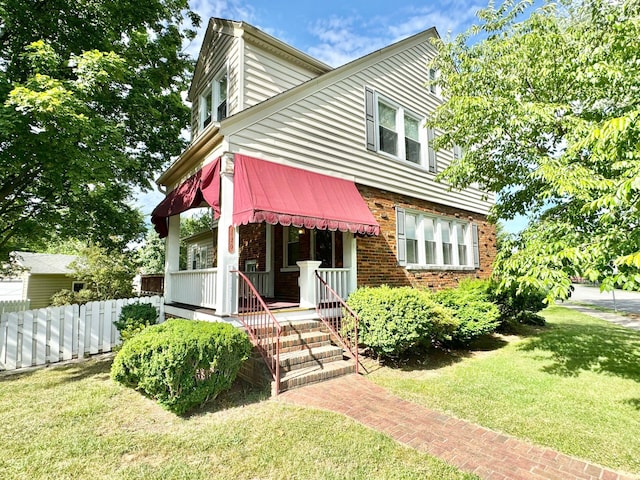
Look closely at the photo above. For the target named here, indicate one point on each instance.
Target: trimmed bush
(134, 318)
(69, 297)
(396, 321)
(182, 363)
(472, 308)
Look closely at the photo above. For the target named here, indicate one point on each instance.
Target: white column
(228, 243)
(307, 282)
(172, 257)
(350, 259)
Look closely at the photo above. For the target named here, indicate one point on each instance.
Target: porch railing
(341, 321)
(261, 326)
(260, 280)
(194, 287)
(338, 278)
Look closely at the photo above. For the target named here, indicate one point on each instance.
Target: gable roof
(234, 28)
(45, 263)
(271, 105)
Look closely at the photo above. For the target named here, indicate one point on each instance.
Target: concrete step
(318, 373)
(310, 357)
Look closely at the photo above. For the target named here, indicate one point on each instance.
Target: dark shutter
(400, 236)
(433, 166)
(369, 102)
(476, 247)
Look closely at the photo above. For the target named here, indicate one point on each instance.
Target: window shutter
(433, 166)
(476, 248)
(370, 118)
(401, 236)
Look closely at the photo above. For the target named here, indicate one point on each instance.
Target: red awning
(274, 193)
(204, 185)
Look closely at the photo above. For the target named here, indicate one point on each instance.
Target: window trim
(469, 241)
(286, 267)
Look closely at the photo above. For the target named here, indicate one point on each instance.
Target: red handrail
(262, 327)
(331, 309)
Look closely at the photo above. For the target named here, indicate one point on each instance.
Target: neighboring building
(309, 168)
(265, 110)
(45, 274)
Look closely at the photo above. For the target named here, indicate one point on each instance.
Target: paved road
(624, 301)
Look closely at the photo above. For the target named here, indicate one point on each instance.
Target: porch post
(172, 256)
(307, 282)
(228, 243)
(350, 259)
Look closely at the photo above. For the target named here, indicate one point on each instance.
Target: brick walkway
(472, 448)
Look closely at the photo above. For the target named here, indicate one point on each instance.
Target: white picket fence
(49, 335)
(14, 306)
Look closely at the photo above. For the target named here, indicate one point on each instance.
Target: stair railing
(333, 311)
(261, 325)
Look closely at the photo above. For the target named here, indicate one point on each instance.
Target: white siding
(325, 131)
(267, 75)
(202, 241)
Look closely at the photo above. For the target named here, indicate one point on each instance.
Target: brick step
(309, 357)
(318, 373)
(306, 340)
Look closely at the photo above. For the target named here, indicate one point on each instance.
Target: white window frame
(401, 112)
(285, 247)
(438, 225)
(434, 74)
(213, 94)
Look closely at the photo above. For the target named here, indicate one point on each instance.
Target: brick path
(472, 448)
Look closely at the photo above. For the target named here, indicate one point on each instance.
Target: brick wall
(377, 261)
(253, 245)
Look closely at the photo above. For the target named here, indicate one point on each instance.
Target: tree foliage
(546, 106)
(90, 107)
(151, 255)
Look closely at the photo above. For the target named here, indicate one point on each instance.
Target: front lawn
(573, 385)
(74, 422)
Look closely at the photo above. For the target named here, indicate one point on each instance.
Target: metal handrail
(262, 327)
(332, 302)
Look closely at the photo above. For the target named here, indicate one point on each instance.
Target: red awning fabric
(274, 193)
(204, 185)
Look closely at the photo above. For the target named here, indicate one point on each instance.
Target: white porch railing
(336, 278)
(194, 287)
(261, 281)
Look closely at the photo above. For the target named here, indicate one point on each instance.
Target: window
(213, 101)
(394, 130)
(412, 238)
(251, 265)
(77, 286)
(457, 152)
(433, 77)
(292, 246)
(198, 257)
(429, 241)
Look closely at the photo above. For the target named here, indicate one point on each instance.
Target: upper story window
(433, 77)
(213, 101)
(430, 241)
(394, 130)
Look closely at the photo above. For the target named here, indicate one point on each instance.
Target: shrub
(518, 306)
(134, 318)
(69, 297)
(395, 321)
(472, 308)
(182, 363)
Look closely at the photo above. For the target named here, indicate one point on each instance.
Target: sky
(334, 31)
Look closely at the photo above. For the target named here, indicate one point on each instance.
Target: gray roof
(45, 263)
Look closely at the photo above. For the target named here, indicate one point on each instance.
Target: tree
(90, 107)
(546, 109)
(106, 274)
(152, 254)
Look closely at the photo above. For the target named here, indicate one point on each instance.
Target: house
(311, 172)
(45, 274)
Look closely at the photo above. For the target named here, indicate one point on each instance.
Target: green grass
(573, 385)
(73, 422)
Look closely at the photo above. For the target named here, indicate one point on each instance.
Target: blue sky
(336, 32)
